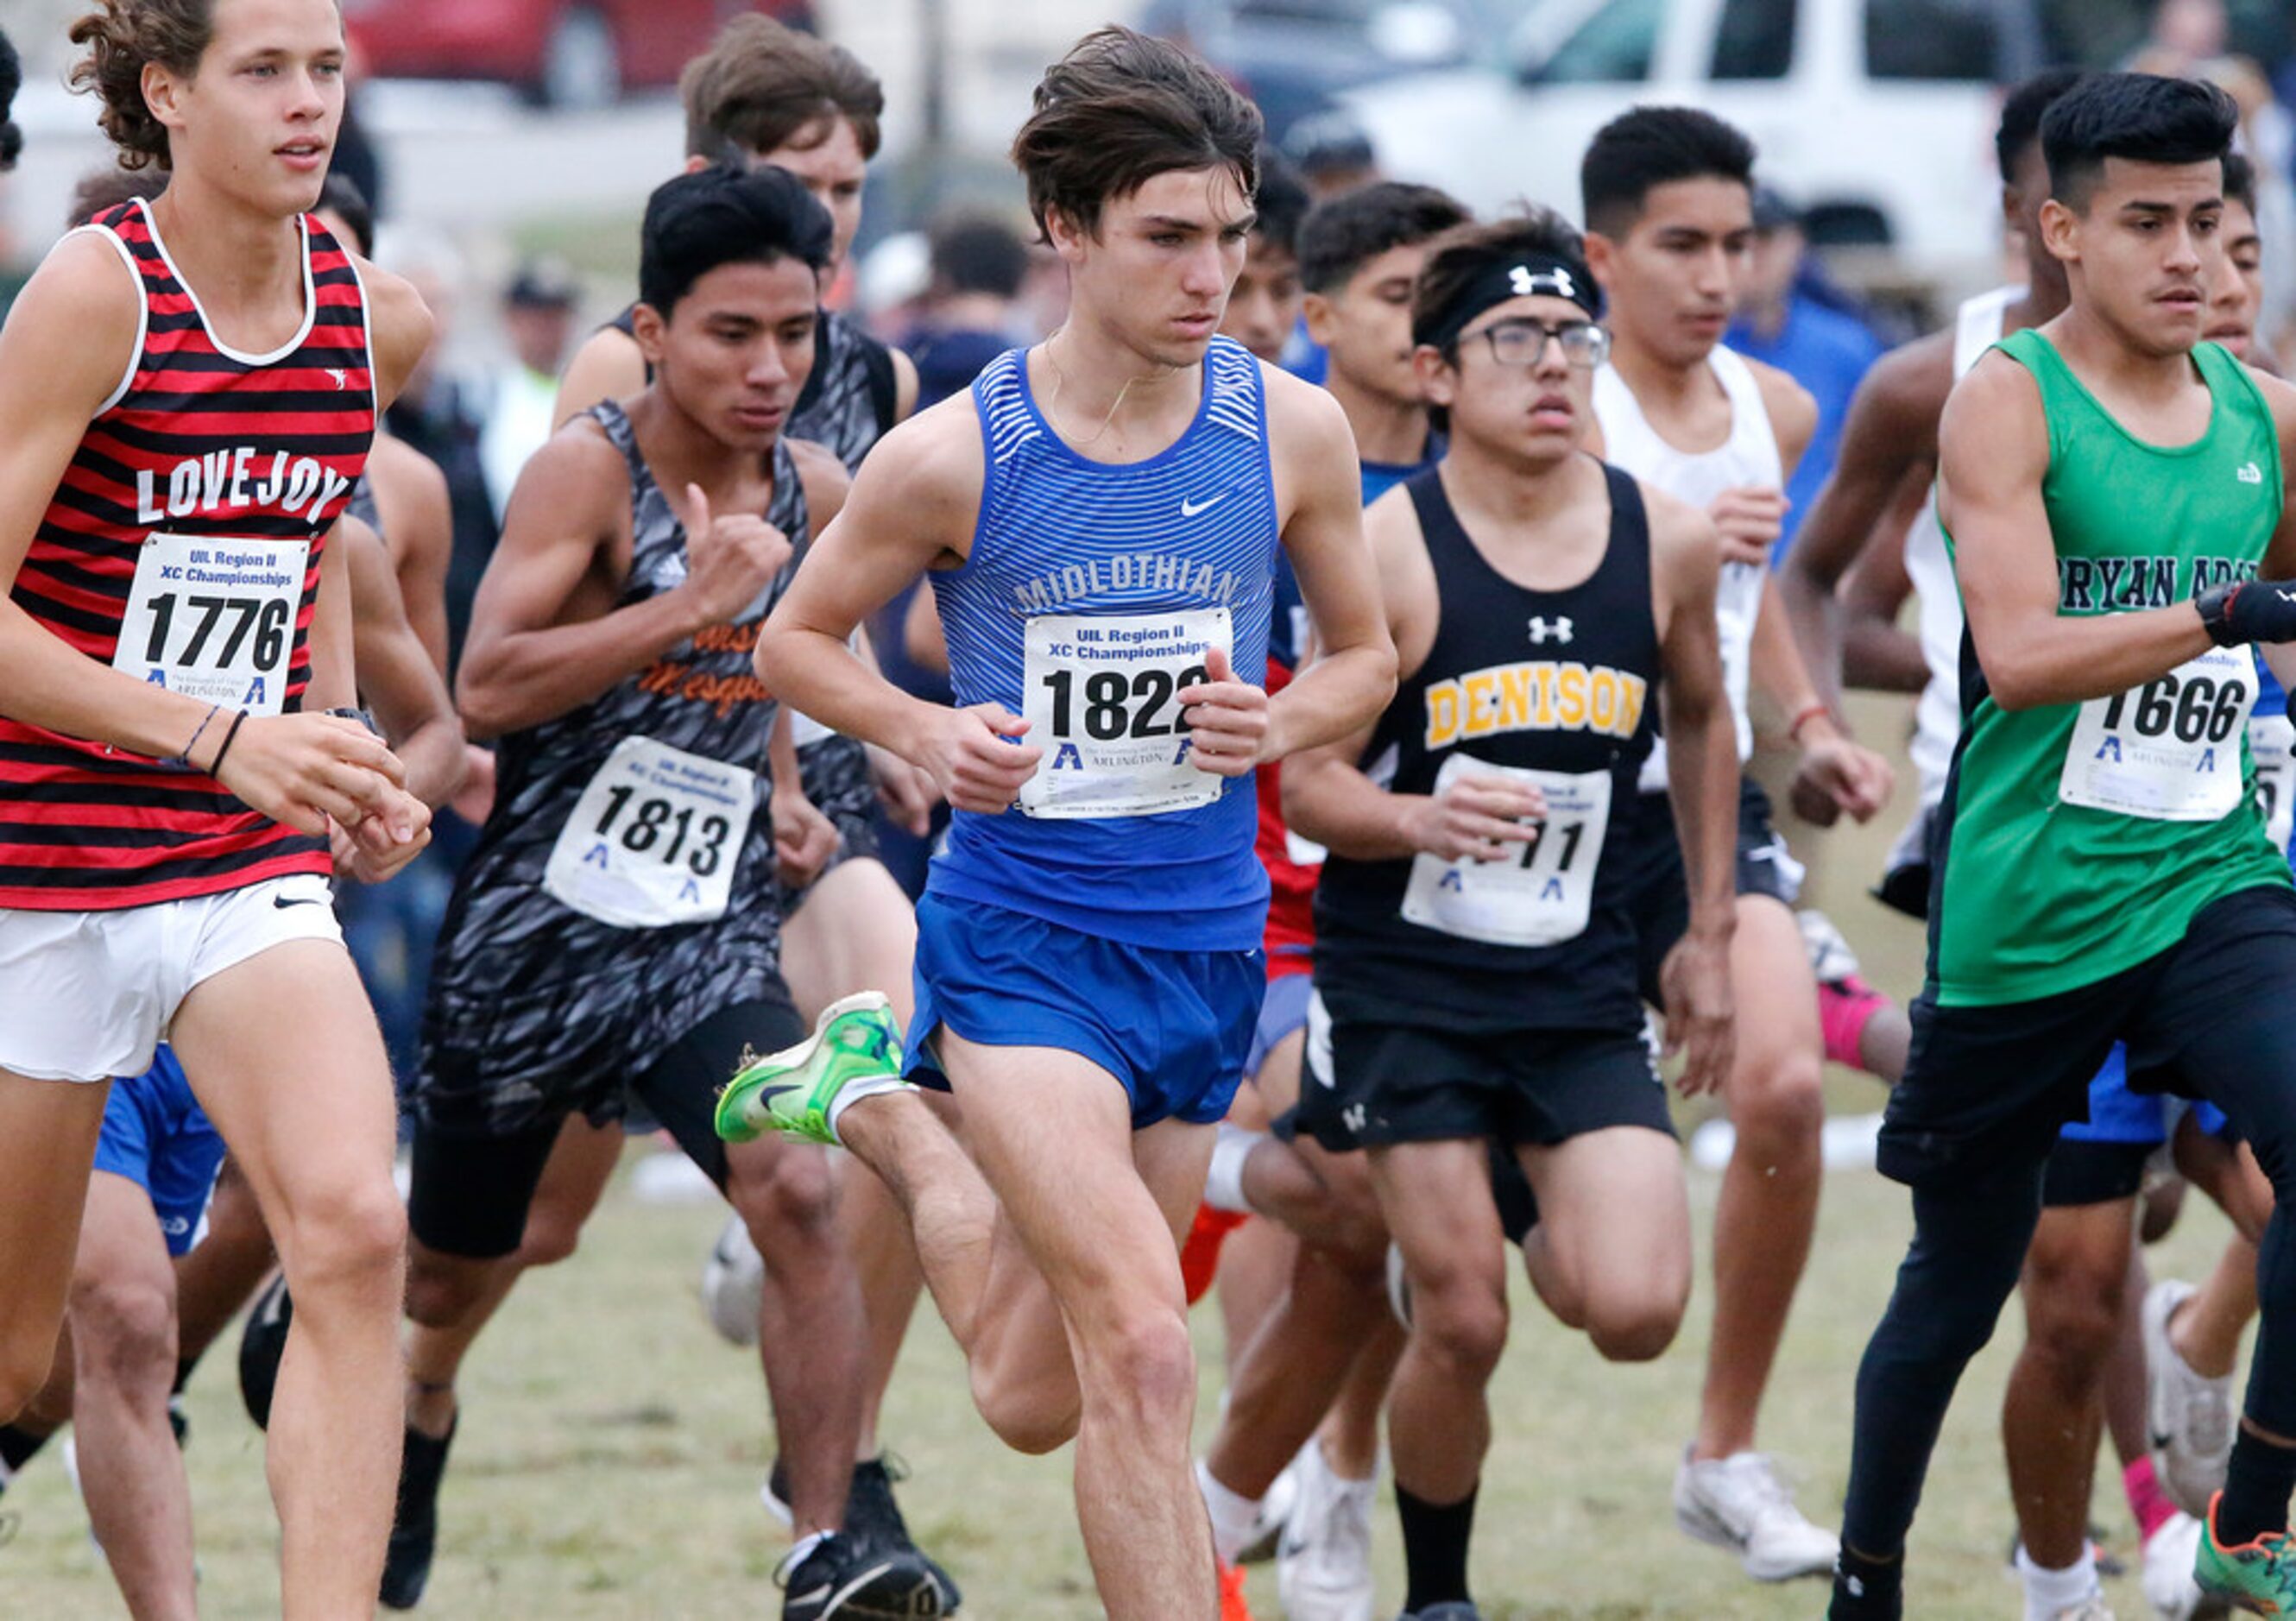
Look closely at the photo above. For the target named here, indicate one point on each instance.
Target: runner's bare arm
(418, 527)
(399, 329)
(394, 675)
(913, 505)
(1327, 796)
(607, 366)
(1793, 415)
(544, 637)
(1876, 655)
(1993, 453)
(1888, 435)
(1702, 763)
(1317, 478)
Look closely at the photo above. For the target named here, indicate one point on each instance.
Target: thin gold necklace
(1060, 381)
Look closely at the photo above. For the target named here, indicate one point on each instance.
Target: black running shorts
(1387, 1083)
(1989, 1087)
(1658, 889)
(472, 1183)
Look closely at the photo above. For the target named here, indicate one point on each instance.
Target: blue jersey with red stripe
(1189, 532)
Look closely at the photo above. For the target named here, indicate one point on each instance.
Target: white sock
(854, 1092)
(1233, 1515)
(2049, 1592)
(1223, 1181)
(802, 1549)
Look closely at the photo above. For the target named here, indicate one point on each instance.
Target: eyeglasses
(1521, 342)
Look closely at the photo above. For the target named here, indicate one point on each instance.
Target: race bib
(214, 619)
(1538, 897)
(1101, 704)
(2273, 742)
(654, 839)
(2169, 750)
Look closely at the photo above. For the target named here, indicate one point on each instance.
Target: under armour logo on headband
(1556, 281)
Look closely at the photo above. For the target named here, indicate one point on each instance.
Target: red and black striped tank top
(203, 442)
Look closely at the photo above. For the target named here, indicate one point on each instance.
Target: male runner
(2075, 1273)
(2109, 490)
(1667, 195)
(1361, 255)
(616, 927)
(170, 786)
(1476, 947)
(1090, 1042)
(156, 1163)
(766, 93)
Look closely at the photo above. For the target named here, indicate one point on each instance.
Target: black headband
(1528, 276)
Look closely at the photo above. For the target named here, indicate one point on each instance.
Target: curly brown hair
(122, 36)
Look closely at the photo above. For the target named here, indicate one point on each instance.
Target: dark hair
(2240, 181)
(760, 85)
(1282, 202)
(1344, 233)
(1646, 147)
(122, 38)
(11, 80)
(1468, 252)
(2142, 117)
(726, 215)
(109, 186)
(341, 197)
(1120, 110)
(976, 252)
(2022, 114)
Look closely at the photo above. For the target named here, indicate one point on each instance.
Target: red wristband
(1802, 717)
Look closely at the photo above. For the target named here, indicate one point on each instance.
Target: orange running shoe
(1199, 1256)
(1233, 1607)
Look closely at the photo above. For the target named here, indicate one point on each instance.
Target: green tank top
(2080, 839)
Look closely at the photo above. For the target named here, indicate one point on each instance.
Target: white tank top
(1937, 717)
(1749, 457)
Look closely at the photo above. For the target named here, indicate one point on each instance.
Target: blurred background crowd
(508, 148)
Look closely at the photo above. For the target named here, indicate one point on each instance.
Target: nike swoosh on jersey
(1189, 507)
(282, 902)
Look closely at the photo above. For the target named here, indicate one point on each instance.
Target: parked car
(1292, 56)
(1876, 117)
(563, 53)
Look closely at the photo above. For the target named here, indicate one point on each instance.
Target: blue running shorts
(156, 1135)
(1173, 1027)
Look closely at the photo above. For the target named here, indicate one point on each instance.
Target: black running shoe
(872, 1516)
(415, 1523)
(847, 1578)
(1451, 1609)
(261, 1344)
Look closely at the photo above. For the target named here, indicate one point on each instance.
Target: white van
(1876, 117)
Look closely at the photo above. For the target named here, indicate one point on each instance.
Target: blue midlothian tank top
(1088, 597)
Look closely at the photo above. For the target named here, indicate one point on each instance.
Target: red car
(565, 52)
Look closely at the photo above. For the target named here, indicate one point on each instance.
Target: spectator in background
(1781, 324)
(1333, 154)
(436, 415)
(537, 321)
(978, 262)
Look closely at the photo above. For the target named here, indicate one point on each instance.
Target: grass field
(611, 1445)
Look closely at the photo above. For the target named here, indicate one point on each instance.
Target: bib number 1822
(1116, 707)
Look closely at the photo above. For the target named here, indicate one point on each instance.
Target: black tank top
(1559, 683)
(623, 887)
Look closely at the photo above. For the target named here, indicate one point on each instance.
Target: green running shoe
(2259, 1577)
(854, 1041)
